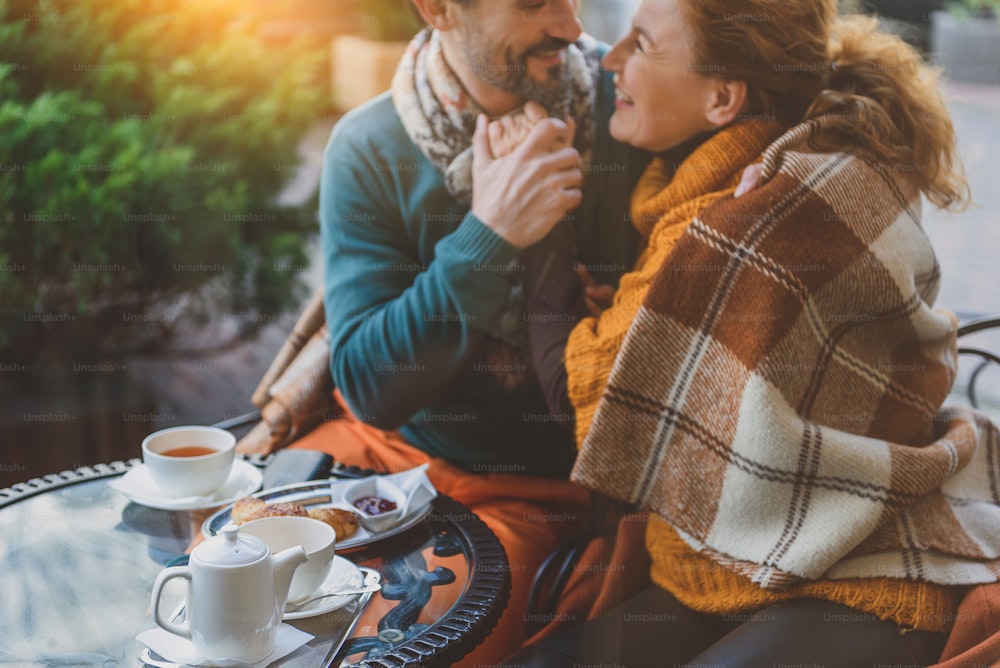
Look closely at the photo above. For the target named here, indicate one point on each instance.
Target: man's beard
(512, 76)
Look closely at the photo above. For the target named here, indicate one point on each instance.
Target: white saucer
(138, 486)
(343, 575)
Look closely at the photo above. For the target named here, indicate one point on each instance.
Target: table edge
(469, 623)
(446, 641)
(25, 490)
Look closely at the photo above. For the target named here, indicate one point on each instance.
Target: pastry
(246, 509)
(249, 508)
(343, 521)
(281, 510)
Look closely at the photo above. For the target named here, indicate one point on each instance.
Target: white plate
(137, 485)
(343, 575)
(317, 494)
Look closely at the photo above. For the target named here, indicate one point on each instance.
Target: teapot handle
(183, 630)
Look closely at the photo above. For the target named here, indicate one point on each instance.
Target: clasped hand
(521, 189)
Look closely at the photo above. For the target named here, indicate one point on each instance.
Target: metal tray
(317, 493)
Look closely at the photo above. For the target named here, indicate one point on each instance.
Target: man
(425, 274)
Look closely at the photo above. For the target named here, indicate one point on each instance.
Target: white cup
(317, 538)
(197, 475)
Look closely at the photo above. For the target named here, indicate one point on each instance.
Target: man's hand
(523, 195)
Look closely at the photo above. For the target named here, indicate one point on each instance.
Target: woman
(769, 377)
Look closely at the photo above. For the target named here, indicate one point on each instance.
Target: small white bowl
(382, 488)
(317, 538)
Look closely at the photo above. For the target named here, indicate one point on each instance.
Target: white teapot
(236, 595)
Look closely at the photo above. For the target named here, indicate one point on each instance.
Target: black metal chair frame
(986, 356)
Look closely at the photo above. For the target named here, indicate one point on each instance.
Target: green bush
(142, 147)
(967, 9)
(388, 20)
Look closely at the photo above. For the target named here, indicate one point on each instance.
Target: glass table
(78, 560)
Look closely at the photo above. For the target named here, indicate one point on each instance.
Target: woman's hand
(749, 180)
(598, 297)
(508, 132)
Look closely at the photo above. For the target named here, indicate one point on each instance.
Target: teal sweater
(417, 287)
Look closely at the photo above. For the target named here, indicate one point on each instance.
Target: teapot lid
(229, 548)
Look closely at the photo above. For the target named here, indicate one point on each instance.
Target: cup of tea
(189, 461)
(317, 538)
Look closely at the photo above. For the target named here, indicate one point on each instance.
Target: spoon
(292, 607)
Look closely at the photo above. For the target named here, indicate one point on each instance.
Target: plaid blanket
(778, 397)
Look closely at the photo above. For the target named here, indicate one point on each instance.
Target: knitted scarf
(778, 396)
(440, 116)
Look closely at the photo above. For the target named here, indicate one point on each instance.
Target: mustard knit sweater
(665, 201)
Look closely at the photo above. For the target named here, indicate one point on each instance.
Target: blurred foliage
(389, 20)
(968, 9)
(142, 147)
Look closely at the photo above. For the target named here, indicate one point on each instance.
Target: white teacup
(317, 538)
(189, 461)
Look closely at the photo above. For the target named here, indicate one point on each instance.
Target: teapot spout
(285, 563)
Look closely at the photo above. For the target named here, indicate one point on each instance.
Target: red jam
(374, 505)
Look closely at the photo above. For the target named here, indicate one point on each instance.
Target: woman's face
(661, 95)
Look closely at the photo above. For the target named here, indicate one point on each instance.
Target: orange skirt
(529, 516)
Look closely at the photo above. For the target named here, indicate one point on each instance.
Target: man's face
(519, 46)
